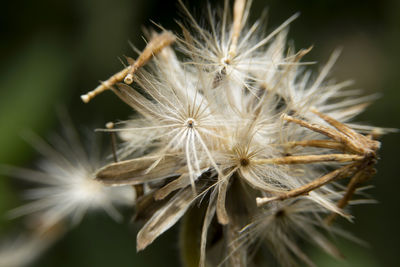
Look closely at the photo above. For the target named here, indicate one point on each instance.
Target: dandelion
(67, 186)
(228, 123)
(240, 122)
(65, 191)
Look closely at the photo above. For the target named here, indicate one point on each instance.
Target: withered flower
(239, 131)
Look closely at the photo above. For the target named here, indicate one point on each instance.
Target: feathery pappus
(233, 121)
(65, 191)
(230, 126)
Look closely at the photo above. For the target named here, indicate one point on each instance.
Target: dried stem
(103, 86)
(156, 44)
(331, 133)
(318, 143)
(238, 10)
(305, 189)
(307, 159)
(362, 151)
(110, 125)
(356, 180)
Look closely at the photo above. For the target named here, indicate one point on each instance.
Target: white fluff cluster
(65, 190)
(68, 188)
(229, 123)
(235, 119)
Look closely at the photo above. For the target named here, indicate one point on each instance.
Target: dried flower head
(241, 124)
(230, 124)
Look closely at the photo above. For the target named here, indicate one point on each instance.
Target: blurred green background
(53, 51)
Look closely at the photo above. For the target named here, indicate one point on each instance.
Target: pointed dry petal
(136, 171)
(176, 184)
(206, 225)
(222, 215)
(165, 218)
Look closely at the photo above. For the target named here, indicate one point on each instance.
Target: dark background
(53, 51)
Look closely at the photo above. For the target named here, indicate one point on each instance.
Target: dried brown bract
(360, 150)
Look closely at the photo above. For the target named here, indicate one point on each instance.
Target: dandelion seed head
(228, 122)
(66, 188)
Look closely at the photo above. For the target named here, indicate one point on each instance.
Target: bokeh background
(53, 51)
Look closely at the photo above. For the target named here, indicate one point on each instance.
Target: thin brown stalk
(360, 177)
(238, 10)
(307, 159)
(305, 189)
(331, 133)
(329, 144)
(363, 149)
(156, 44)
(110, 125)
(105, 85)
